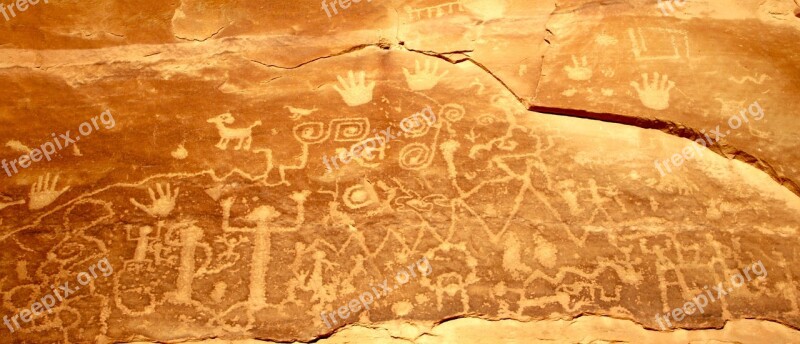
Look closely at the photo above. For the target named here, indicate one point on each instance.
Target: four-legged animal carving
(244, 135)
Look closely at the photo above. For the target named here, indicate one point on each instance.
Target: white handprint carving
(354, 91)
(162, 205)
(423, 79)
(654, 95)
(43, 193)
(578, 71)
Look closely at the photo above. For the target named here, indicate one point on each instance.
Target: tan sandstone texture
(423, 171)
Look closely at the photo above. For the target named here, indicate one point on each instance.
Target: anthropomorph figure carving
(262, 217)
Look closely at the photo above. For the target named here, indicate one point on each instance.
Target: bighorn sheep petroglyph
(244, 135)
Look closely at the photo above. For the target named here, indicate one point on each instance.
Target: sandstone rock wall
(433, 172)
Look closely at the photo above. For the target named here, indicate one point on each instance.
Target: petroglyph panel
(264, 174)
(671, 72)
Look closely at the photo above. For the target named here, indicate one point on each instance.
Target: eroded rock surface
(235, 172)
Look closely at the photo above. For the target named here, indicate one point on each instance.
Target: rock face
(400, 171)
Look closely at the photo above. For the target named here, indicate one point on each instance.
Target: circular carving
(415, 156)
(415, 126)
(310, 132)
(452, 112)
(359, 196)
(350, 129)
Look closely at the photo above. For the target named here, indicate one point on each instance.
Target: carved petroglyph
(418, 125)
(673, 43)
(75, 150)
(180, 153)
(605, 40)
(43, 192)
(756, 79)
(425, 78)
(360, 195)
(654, 95)
(310, 132)
(142, 241)
(263, 217)
(435, 11)
(350, 129)
(512, 258)
(578, 71)
(188, 239)
(18, 147)
(492, 194)
(162, 204)
(503, 142)
(355, 90)
(243, 135)
(9, 204)
(418, 155)
(298, 113)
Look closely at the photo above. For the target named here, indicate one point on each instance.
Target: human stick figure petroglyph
(244, 135)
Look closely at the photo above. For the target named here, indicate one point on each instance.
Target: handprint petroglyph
(423, 78)
(579, 71)
(162, 205)
(43, 193)
(654, 95)
(355, 91)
